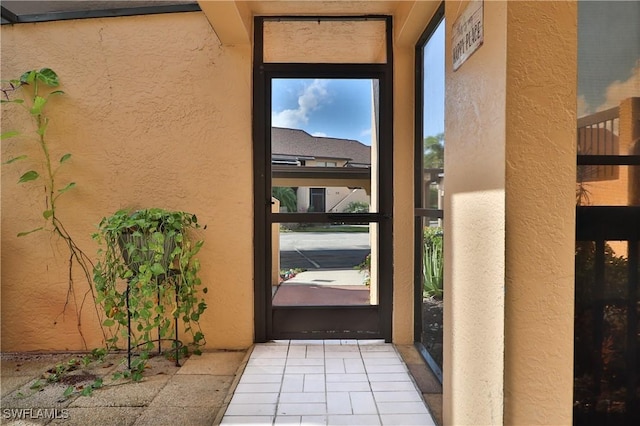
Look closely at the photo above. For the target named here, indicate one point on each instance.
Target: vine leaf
(28, 77)
(28, 176)
(14, 159)
(22, 234)
(10, 134)
(65, 158)
(66, 188)
(48, 77)
(47, 214)
(38, 104)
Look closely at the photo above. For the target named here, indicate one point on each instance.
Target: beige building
(297, 148)
(169, 110)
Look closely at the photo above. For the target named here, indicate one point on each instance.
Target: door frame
(377, 319)
(420, 212)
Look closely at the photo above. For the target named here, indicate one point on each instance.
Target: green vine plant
(432, 263)
(33, 91)
(147, 273)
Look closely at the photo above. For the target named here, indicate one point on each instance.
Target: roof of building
(296, 143)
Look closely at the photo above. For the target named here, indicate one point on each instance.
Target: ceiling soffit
(232, 20)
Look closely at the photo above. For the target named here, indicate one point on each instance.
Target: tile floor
(330, 382)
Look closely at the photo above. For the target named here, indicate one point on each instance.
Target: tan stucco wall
(403, 202)
(474, 225)
(509, 218)
(156, 113)
(540, 246)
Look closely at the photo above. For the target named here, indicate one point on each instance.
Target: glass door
(325, 216)
(323, 167)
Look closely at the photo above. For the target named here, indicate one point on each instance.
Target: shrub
(432, 262)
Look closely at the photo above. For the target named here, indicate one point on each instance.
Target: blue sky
(334, 108)
(433, 120)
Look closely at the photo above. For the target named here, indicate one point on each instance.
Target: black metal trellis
(175, 277)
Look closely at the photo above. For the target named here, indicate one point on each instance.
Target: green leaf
(47, 214)
(68, 391)
(56, 92)
(108, 322)
(157, 269)
(12, 101)
(64, 158)
(14, 159)
(10, 134)
(68, 187)
(28, 176)
(22, 234)
(38, 104)
(48, 77)
(28, 77)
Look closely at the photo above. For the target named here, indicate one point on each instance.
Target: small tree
(286, 196)
(434, 151)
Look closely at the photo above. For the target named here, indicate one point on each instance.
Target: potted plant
(146, 278)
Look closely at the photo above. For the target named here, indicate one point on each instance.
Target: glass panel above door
(331, 41)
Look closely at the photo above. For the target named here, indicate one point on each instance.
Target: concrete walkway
(329, 382)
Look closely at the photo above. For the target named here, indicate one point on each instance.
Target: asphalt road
(323, 250)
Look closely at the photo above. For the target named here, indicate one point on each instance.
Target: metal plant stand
(175, 277)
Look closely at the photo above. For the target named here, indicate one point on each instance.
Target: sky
(608, 54)
(328, 107)
(433, 114)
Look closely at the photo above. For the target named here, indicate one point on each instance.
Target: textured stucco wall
(474, 225)
(540, 207)
(509, 218)
(403, 202)
(156, 113)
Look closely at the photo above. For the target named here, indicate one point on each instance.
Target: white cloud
(319, 134)
(309, 100)
(620, 90)
(366, 132)
(584, 108)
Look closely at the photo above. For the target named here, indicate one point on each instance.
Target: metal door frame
(290, 322)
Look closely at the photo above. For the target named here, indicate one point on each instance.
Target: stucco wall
(156, 114)
(509, 218)
(475, 225)
(541, 150)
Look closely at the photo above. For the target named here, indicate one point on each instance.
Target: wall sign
(468, 33)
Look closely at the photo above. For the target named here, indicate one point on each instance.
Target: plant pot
(136, 252)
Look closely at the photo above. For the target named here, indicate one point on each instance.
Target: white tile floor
(330, 382)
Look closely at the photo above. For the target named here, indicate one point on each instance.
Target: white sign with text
(468, 33)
